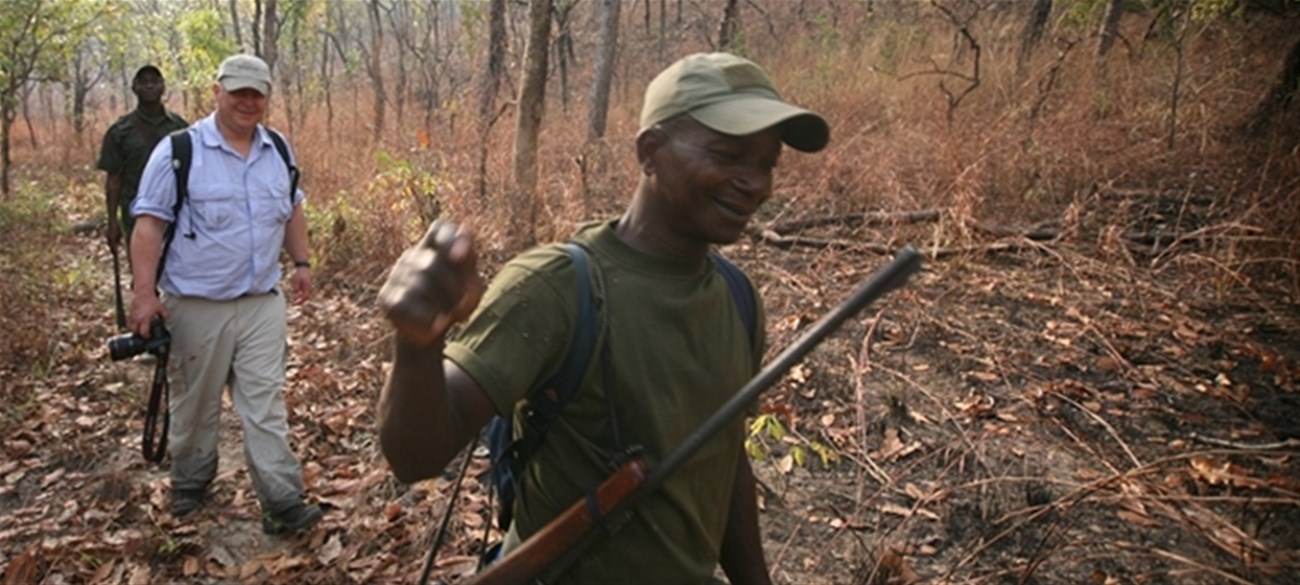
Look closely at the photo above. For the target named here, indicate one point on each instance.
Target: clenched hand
(433, 285)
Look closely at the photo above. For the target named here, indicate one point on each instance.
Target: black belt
(274, 291)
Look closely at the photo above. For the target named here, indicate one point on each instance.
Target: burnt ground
(1055, 403)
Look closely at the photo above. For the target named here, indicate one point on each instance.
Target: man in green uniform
(672, 351)
(127, 145)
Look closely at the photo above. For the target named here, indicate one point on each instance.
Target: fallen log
(858, 219)
(772, 238)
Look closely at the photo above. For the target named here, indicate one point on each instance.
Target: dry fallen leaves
(1218, 472)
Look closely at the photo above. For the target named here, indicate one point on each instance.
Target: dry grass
(1020, 149)
(1049, 401)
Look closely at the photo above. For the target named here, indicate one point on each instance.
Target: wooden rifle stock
(559, 535)
(568, 536)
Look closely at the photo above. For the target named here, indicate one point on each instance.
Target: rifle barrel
(894, 275)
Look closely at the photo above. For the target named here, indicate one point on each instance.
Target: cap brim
(238, 83)
(744, 115)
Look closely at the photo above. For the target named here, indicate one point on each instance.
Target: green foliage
(30, 207)
(205, 46)
(828, 38)
(1083, 14)
(333, 218)
(888, 57)
(31, 216)
(38, 38)
(740, 43)
(408, 186)
(1212, 9)
(353, 230)
(766, 430)
(70, 276)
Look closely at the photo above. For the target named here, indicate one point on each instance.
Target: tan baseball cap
(245, 72)
(731, 95)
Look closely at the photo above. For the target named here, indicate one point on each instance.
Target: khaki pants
(239, 343)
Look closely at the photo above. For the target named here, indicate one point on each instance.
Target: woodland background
(1094, 380)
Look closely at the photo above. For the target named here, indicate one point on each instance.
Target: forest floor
(1078, 407)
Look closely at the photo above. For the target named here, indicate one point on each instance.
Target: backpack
(182, 158)
(508, 453)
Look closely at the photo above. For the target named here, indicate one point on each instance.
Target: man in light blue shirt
(220, 297)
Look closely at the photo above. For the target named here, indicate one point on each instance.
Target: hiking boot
(298, 517)
(185, 501)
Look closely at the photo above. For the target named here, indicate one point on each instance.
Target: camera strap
(159, 396)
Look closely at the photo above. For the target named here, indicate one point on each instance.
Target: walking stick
(117, 291)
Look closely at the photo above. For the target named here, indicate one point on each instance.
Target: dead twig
(860, 365)
(1109, 429)
(1274, 446)
(1199, 566)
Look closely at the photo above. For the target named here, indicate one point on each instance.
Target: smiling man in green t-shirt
(673, 349)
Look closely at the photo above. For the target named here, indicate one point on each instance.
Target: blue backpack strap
(741, 293)
(509, 454)
(547, 407)
(283, 149)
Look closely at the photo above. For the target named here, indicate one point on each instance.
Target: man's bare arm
(428, 411)
(112, 198)
(295, 236)
(742, 546)
(146, 252)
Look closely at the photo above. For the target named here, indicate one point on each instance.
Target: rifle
(561, 542)
(117, 288)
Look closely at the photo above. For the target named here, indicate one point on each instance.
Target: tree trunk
(564, 49)
(234, 23)
(8, 99)
(434, 95)
(291, 79)
(1033, 32)
(1109, 29)
(532, 102)
(727, 27)
(496, 56)
(255, 28)
(1282, 95)
(663, 27)
(375, 68)
(270, 34)
(603, 74)
(401, 19)
(326, 90)
(80, 88)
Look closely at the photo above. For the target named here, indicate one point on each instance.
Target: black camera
(131, 345)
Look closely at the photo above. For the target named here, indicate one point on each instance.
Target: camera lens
(124, 346)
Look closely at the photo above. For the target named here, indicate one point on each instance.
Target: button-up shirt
(127, 145)
(231, 227)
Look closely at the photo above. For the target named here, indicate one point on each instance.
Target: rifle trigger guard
(627, 454)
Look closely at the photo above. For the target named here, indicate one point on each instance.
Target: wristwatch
(302, 264)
